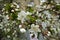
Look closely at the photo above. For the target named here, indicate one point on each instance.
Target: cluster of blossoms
(44, 20)
(9, 25)
(47, 19)
(12, 8)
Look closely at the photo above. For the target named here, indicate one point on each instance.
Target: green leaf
(57, 7)
(7, 7)
(30, 9)
(14, 16)
(32, 19)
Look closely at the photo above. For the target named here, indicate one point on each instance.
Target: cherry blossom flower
(22, 30)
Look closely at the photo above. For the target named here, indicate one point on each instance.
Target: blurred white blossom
(7, 16)
(20, 26)
(35, 28)
(8, 36)
(16, 9)
(18, 6)
(22, 16)
(12, 5)
(22, 30)
(12, 10)
(48, 33)
(43, 0)
(8, 29)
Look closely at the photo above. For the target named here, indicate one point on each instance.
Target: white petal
(22, 30)
(20, 26)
